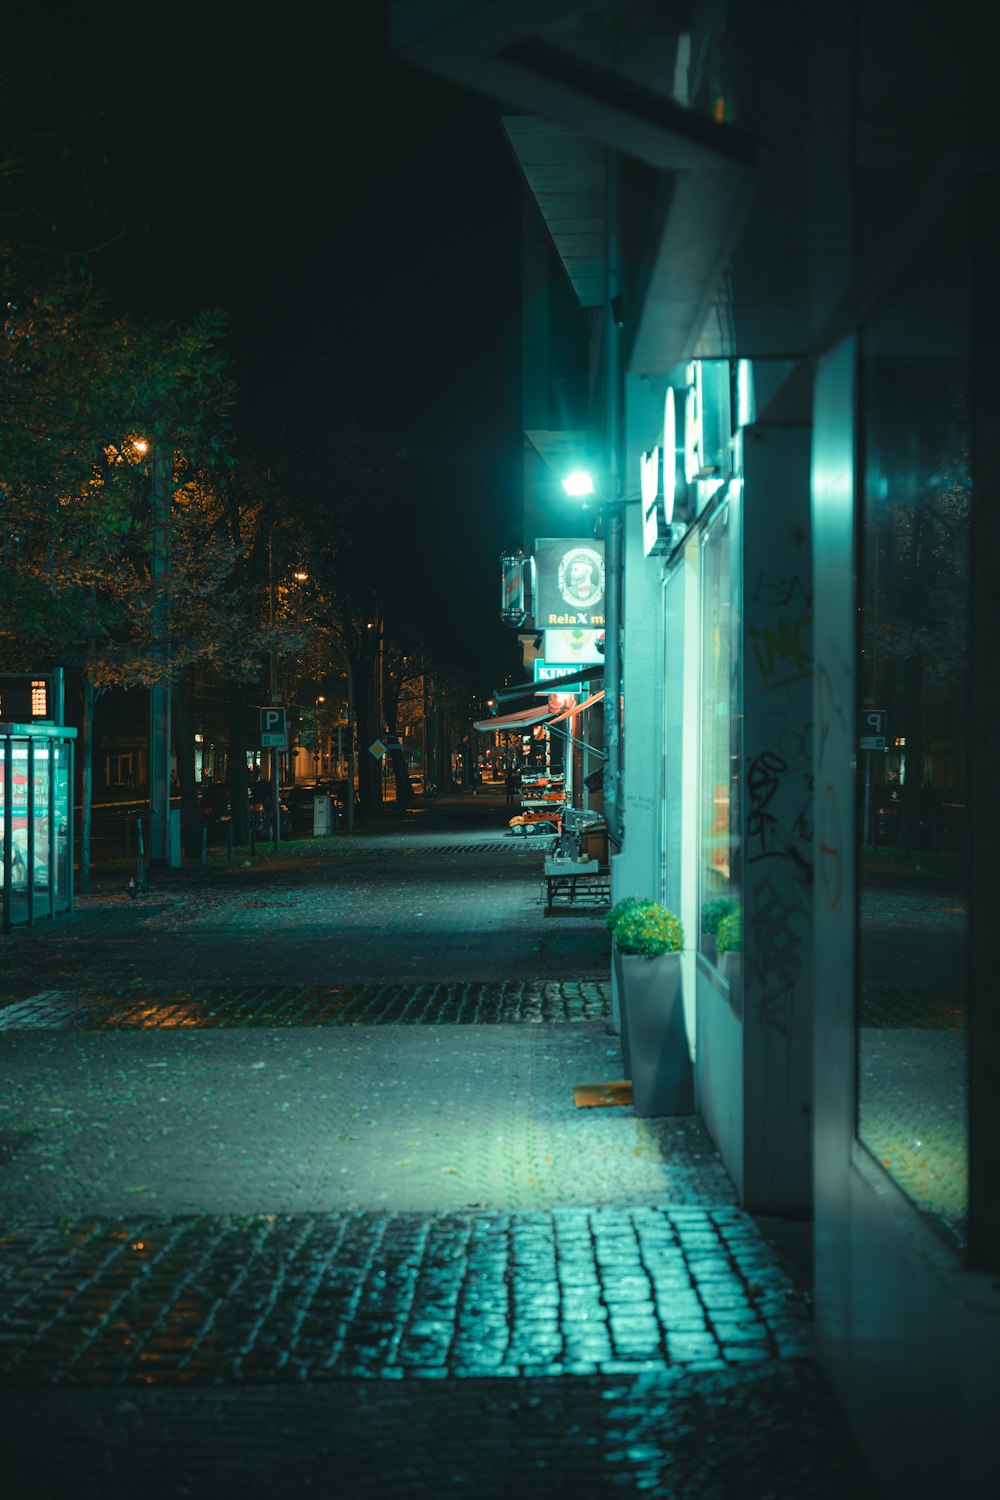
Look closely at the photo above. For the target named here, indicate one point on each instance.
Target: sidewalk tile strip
(472, 1003)
(310, 1297)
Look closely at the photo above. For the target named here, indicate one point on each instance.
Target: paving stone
(356, 1236)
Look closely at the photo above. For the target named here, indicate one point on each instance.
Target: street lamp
(318, 744)
(351, 737)
(579, 484)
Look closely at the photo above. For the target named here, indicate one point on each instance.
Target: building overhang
(562, 112)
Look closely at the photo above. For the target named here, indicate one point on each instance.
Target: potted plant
(618, 1022)
(713, 911)
(649, 940)
(729, 942)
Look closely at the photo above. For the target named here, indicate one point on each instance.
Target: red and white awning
(520, 720)
(578, 708)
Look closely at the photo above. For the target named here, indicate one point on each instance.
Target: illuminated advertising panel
(569, 583)
(579, 647)
(550, 671)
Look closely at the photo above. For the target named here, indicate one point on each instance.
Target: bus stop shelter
(36, 821)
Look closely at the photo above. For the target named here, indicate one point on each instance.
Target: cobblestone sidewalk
(298, 1201)
(307, 1297)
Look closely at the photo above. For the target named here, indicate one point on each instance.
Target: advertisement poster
(19, 813)
(579, 648)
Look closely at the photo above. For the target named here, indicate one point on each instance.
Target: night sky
(331, 199)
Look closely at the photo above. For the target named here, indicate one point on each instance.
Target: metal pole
(352, 743)
(159, 692)
(351, 739)
(8, 832)
(614, 516)
(275, 695)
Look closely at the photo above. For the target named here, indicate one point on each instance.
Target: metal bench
(576, 882)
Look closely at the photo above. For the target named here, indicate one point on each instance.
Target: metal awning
(520, 720)
(578, 708)
(551, 685)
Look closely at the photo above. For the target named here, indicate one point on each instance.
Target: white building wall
(636, 870)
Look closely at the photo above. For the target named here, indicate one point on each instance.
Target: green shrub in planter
(647, 929)
(619, 909)
(712, 913)
(729, 938)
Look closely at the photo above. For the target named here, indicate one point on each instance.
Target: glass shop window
(913, 758)
(719, 887)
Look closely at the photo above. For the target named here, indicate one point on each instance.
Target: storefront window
(913, 941)
(718, 896)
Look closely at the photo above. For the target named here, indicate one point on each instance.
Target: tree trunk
(183, 733)
(400, 774)
(911, 796)
(238, 776)
(368, 781)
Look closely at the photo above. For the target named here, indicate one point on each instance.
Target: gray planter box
(654, 1037)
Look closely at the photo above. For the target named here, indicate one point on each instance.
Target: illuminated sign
(657, 473)
(27, 697)
(569, 574)
(694, 456)
(550, 671)
(580, 647)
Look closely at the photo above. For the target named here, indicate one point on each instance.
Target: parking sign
(872, 728)
(273, 732)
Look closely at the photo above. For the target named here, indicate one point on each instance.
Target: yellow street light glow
(578, 483)
(141, 445)
(302, 577)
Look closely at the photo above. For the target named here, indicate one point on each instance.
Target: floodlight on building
(578, 483)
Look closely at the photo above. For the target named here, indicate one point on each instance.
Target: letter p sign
(872, 728)
(272, 729)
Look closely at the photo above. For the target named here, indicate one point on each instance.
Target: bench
(577, 882)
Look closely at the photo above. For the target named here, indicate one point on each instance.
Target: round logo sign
(581, 577)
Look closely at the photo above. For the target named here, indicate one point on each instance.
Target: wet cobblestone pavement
(474, 1004)
(265, 1235)
(309, 1297)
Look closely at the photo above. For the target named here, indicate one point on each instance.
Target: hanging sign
(580, 647)
(569, 586)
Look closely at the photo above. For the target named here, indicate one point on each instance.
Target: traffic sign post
(871, 736)
(872, 728)
(274, 737)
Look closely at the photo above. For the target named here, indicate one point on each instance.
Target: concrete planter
(728, 964)
(654, 1036)
(620, 1023)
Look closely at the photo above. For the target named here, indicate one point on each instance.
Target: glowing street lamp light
(578, 484)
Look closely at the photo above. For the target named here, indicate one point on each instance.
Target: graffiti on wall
(779, 793)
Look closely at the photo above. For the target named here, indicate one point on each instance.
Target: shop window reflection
(914, 645)
(718, 938)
